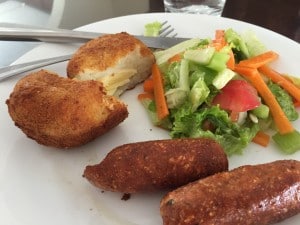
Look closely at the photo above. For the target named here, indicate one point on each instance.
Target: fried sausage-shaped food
(249, 195)
(61, 112)
(157, 165)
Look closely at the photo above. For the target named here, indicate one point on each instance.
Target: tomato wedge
(237, 96)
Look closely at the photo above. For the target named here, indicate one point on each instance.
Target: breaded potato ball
(62, 112)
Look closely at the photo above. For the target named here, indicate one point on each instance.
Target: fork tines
(167, 30)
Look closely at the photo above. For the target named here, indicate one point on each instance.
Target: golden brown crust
(157, 165)
(61, 112)
(104, 52)
(248, 195)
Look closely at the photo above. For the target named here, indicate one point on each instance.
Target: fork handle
(13, 70)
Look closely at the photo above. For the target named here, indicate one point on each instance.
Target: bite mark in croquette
(120, 61)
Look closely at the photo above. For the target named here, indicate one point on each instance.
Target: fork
(15, 32)
(9, 71)
(168, 30)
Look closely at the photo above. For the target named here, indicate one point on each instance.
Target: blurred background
(66, 14)
(282, 16)
(69, 13)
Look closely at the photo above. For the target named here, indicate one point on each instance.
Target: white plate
(43, 185)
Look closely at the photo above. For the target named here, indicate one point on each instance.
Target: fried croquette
(157, 165)
(62, 112)
(119, 61)
(248, 195)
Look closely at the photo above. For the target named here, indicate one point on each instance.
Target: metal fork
(167, 30)
(13, 70)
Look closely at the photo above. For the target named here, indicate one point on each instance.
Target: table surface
(281, 16)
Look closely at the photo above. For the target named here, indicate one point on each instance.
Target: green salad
(220, 88)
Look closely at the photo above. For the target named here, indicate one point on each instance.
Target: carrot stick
(159, 96)
(148, 85)
(175, 58)
(280, 80)
(231, 61)
(220, 37)
(145, 95)
(218, 46)
(220, 34)
(234, 116)
(219, 42)
(261, 138)
(283, 124)
(259, 60)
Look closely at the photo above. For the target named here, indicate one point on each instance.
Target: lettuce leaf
(238, 45)
(254, 45)
(233, 137)
(152, 29)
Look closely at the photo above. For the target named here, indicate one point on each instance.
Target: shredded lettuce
(237, 44)
(164, 55)
(244, 45)
(175, 97)
(198, 93)
(191, 84)
(178, 88)
(223, 78)
(218, 61)
(202, 56)
(230, 135)
(254, 45)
